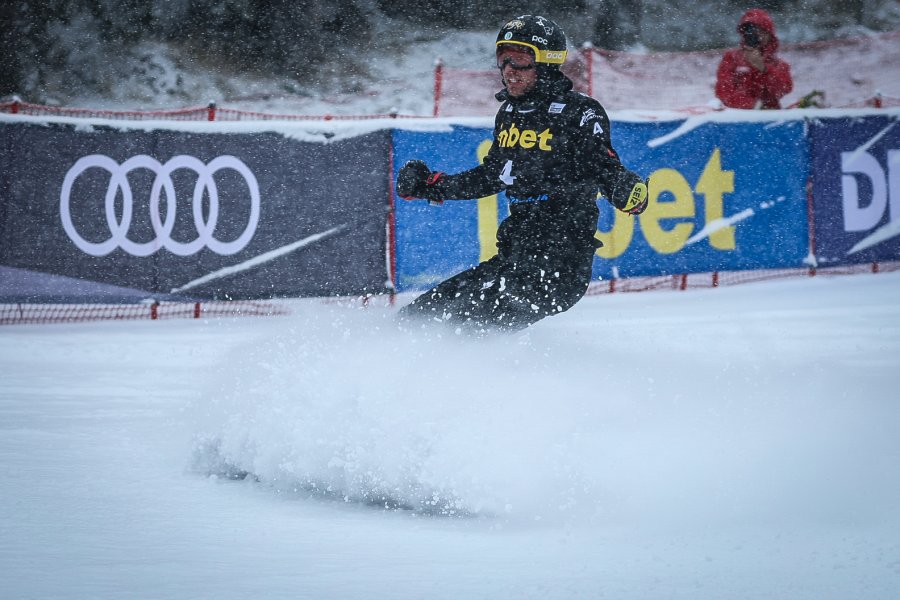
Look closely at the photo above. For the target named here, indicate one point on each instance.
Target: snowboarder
(551, 153)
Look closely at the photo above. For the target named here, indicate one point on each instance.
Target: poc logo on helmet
(554, 55)
(539, 39)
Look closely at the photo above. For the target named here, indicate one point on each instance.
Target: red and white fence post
(438, 83)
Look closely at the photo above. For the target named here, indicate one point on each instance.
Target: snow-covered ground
(398, 78)
(396, 71)
(734, 443)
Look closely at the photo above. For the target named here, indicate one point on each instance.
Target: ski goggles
(518, 61)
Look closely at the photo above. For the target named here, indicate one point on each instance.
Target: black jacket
(551, 154)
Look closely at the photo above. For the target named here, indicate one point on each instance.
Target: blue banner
(723, 196)
(856, 189)
(433, 243)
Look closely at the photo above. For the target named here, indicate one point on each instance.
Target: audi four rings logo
(161, 183)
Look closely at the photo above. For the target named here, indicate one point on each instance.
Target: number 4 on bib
(506, 175)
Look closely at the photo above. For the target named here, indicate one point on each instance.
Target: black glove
(629, 193)
(416, 180)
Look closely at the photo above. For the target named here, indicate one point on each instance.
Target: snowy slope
(398, 76)
(730, 443)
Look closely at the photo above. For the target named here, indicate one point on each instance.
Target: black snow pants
(509, 291)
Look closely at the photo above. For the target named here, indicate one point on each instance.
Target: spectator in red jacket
(751, 76)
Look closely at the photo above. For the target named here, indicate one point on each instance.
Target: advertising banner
(205, 215)
(723, 196)
(435, 242)
(856, 189)
(94, 212)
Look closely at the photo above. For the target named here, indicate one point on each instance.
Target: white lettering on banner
(860, 215)
(162, 182)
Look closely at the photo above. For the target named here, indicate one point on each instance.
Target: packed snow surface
(731, 443)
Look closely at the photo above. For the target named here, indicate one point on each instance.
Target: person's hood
(760, 18)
